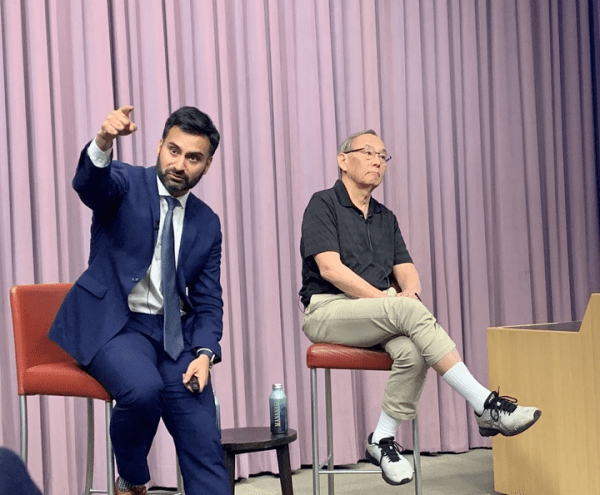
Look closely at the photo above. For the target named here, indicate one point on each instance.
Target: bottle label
(279, 423)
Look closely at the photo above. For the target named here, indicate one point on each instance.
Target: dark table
(256, 439)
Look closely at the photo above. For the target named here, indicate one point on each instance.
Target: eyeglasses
(371, 153)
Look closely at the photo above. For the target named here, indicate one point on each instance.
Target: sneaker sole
(372, 460)
(492, 432)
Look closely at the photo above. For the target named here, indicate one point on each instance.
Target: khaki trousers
(404, 327)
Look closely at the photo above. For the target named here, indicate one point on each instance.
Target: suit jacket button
(135, 279)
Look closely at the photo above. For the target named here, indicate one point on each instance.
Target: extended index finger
(122, 115)
(126, 109)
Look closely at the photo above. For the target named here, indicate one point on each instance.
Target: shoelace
(501, 404)
(390, 449)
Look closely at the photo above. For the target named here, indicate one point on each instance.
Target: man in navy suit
(112, 320)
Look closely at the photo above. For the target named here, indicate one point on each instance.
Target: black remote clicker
(194, 384)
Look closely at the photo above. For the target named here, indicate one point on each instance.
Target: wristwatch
(206, 352)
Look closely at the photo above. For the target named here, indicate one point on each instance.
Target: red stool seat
(343, 357)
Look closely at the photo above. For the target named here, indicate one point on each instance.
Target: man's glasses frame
(371, 153)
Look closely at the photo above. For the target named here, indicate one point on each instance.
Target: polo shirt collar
(344, 198)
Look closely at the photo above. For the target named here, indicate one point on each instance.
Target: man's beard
(185, 185)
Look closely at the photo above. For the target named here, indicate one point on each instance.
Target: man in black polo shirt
(360, 288)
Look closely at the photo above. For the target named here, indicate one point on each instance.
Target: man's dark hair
(193, 121)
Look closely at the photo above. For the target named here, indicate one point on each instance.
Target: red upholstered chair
(335, 356)
(43, 368)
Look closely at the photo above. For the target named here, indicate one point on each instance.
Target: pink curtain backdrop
(486, 107)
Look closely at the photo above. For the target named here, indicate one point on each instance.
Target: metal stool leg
(24, 433)
(110, 458)
(180, 489)
(89, 470)
(329, 420)
(315, 430)
(416, 455)
(110, 469)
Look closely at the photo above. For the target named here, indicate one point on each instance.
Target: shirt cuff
(99, 158)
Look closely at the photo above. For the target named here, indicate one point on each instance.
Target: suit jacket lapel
(188, 237)
(154, 199)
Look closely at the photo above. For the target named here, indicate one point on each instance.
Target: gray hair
(347, 144)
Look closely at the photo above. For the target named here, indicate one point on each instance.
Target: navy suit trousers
(14, 478)
(147, 385)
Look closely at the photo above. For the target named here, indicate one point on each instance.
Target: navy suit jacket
(126, 215)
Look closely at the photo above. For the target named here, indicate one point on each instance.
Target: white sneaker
(503, 415)
(395, 469)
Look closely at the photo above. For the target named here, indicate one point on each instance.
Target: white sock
(386, 427)
(461, 380)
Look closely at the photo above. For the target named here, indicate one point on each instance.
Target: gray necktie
(173, 337)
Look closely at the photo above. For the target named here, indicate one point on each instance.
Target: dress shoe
(136, 490)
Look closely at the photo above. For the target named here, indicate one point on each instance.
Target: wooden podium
(556, 367)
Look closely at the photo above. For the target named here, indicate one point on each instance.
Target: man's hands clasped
(409, 293)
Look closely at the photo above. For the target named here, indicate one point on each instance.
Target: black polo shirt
(369, 247)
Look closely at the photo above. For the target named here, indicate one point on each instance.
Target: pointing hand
(116, 124)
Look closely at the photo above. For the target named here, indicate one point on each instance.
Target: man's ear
(342, 160)
(159, 146)
(207, 166)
